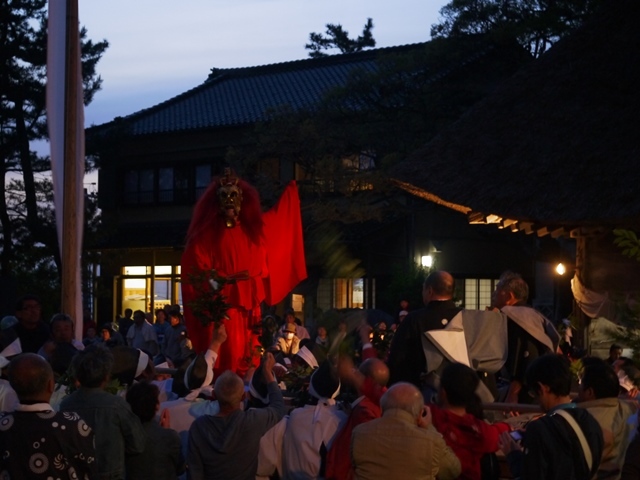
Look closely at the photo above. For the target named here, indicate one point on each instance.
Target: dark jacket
(552, 450)
(406, 355)
(118, 430)
(30, 340)
(162, 458)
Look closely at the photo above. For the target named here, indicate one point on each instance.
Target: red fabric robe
(275, 263)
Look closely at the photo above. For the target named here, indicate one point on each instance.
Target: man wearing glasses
(30, 329)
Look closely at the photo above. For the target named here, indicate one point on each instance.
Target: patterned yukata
(37, 442)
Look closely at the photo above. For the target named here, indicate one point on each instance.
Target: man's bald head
(376, 370)
(403, 396)
(31, 377)
(438, 285)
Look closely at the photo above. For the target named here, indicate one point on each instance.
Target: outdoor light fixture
(427, 261)
(560, 269)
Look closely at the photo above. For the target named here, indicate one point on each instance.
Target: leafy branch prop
(210, 305)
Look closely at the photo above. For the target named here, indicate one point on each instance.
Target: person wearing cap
(118, 430)
(225, 445)
(402, 443)
(8, 322)
(36, 441)
(289, 343)
(290, 318)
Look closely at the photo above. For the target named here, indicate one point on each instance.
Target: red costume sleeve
(284, 244)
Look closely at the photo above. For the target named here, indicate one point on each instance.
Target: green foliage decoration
(628, 242)
(209, 305)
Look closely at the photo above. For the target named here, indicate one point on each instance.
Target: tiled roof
(239, 96)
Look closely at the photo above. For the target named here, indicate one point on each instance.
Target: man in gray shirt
(225, 445)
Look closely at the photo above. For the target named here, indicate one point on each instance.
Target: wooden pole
(70, 251)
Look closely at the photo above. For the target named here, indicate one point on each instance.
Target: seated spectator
(61, 357)
(615, 352)
(458, 418)
(62, 331)
(110, 337)
(402, 443)
(161, 325)
(36, 441)
(162, 457)
(91, 337)
(30, 329)
(598, 394)
(118, 431)
(370, 381)
(552, 447)
(142, 335)
(290, 318)
(193, 385)
(289, 343)
(131, 365)
(322, 338)
(310, 430)
(177, 346)
(226, 445)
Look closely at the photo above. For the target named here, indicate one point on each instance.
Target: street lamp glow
(427, 261)
(560, 269)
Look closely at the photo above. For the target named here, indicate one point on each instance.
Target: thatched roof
(558, 145)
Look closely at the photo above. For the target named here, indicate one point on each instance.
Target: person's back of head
(31, 377)
(551, 370)
(376, 370)
(229, 390)
(62, 356)
(128, 312)
(441, 283)
(459, 384)
(600, 379)
(403, 396)
(143, 398)
(514, 283)
(92, 366)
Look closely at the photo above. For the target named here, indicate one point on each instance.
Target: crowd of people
(133, 400)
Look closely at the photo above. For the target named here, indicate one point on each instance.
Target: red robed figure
(230, 233)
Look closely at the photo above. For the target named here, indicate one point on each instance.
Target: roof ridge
(289, 65)
(321, 61)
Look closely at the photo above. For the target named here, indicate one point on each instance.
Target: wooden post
(70, 248)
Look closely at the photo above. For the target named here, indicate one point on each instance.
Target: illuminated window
(348, 293)
(139, 292)
(136, 270)
(477, 293)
